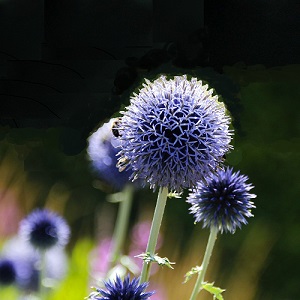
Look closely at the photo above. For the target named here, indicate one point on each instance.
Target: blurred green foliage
(76, 285)
(269, 152)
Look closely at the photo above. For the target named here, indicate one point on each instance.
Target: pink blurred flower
(10, 214)
(99, 258)
(159, 292)
(139, 237)
(140, 234)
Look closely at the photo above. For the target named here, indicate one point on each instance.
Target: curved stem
(154, 231)
(210, 245)
(121, 224)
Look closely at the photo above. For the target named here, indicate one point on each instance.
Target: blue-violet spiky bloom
(45, 229)
(173, 133)
(223, 201)
(122, 290)
(102, 151)
(8, 272)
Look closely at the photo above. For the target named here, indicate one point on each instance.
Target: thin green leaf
(194, 270)
(162, 261)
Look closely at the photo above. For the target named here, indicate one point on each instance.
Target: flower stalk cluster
(174, 135)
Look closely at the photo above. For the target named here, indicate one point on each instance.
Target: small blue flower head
(102, 151)
(173, 133)
(8, 272)
(223, 201)
(44, 229)
(122, 290)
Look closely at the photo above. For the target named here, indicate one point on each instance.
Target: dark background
(67, 63)
(67, 66)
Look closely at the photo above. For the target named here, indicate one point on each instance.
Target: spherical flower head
(223, 201)
(122, 290)
(7, 272)
(102, 150)
(45, 229)
(173, 133)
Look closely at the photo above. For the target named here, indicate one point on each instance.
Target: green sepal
(215, 291)
(161, 261)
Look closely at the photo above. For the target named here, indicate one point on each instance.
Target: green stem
(42, 275)
(154, 231)
(207, 255)
(121, 224)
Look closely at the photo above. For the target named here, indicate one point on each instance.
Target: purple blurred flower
(173, 133)
(223, 201)
(26, 261)
(102, 150)
(44, 229)
(8, 272)
(122, 290)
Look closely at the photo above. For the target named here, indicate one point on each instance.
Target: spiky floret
(173, 133)
(122, 290)
(223, 201)
(45, 229)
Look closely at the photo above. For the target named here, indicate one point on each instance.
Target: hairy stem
(154, 231)
(210, 245)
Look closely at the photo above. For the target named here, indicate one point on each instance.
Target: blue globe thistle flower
(173, 133)
(102, 151)
(44, 229)
(122, 290)
(223, 201)
(8, 272)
